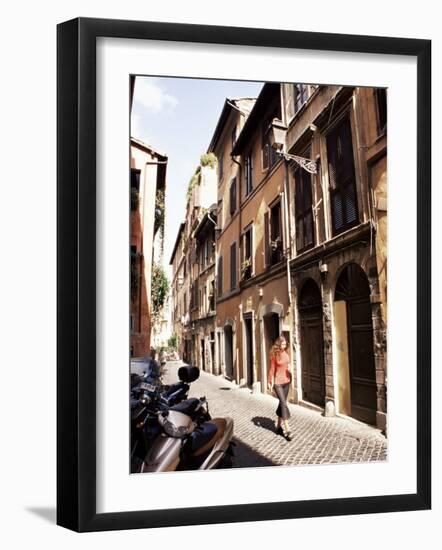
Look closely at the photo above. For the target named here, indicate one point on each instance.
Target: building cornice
(352, 237)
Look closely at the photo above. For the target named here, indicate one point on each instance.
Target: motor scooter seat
(188, 406)
(201, 436)
(216, 427)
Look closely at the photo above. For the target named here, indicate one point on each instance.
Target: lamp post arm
(308, 164)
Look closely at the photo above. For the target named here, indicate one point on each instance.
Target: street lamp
(277, 140)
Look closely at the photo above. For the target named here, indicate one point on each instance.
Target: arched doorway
(270, 327)
(228, 350)
(353, 288)
(312, 343)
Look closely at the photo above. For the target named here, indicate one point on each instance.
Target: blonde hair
(277, 347)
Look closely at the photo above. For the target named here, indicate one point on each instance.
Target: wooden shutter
(233, 268)
(251, 249)
(220, 167)
(233, 196)
(266, 239)
(251, 171)
(381, 108)
(264, 146)
(220, 276)
(303, 209)
(342, 177)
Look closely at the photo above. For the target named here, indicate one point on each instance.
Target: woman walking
(279, 379)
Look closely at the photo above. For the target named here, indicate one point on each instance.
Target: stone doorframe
(219, 348)
(263, 311)
(368, 266)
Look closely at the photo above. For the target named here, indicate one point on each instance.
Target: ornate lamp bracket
(308, 164)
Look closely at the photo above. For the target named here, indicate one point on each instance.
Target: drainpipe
(240, 210)
(289, 253)
(211, 219)
(287, 231)
(239, 332)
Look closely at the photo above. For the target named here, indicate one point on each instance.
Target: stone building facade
(301, 244)
(202, 300)
(338, 256)
(190, 320)
(228, 336)
(264, 297)
(147, 178)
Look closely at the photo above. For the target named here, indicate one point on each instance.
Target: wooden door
(362, 366)
(353, 287)
(312, 344)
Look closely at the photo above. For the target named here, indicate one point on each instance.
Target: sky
(177, 117)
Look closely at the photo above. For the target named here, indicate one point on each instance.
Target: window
(273, 235)
(233, 137)
(247, 255)
(135, 179)
(204, 301)
(134, 189)
(196, 303)
(301, 96)
(248, 173)
(207, 247)
(381, 109)
(134, 271)
(212, 295)
(220, 214)
(233, 268)
(233, 197)
(220, 167)
(343, 200)
(192, 296)
(201, 258)
(185, 302)
(269, 155)
(220, 276)
(303, 209)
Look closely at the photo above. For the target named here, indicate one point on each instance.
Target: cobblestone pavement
(316, 439)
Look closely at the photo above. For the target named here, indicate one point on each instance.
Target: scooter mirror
(188, 374)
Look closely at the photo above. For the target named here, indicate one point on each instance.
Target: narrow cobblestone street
(316, 439)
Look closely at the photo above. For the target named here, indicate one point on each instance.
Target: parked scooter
(148, 397)
(190, 440)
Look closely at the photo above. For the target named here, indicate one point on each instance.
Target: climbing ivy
(160, 209)
(208, 159)
(194, 180)
(159, 290)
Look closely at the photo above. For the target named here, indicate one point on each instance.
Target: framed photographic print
(243, 274)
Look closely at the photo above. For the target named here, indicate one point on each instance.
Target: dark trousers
(282, 391)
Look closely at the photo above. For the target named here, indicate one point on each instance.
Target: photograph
(258, 274)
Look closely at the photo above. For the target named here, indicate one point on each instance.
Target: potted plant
(246, 267)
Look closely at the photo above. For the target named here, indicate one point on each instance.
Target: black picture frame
(76, 274)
